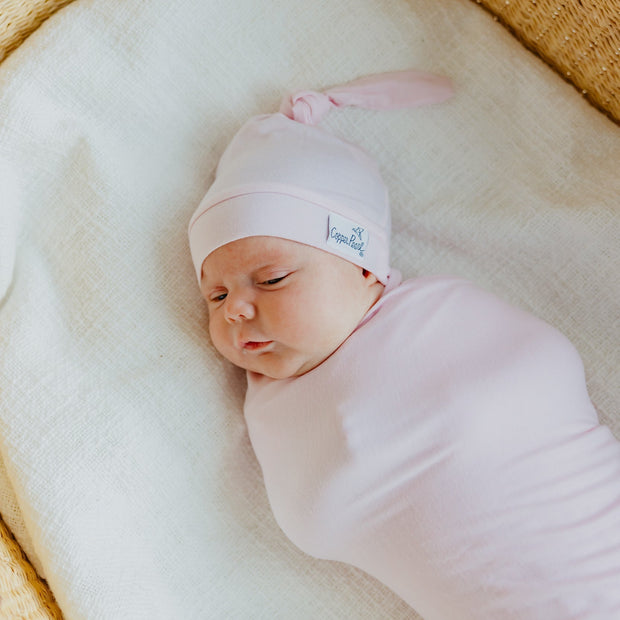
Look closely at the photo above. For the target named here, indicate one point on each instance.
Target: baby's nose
(239, 308)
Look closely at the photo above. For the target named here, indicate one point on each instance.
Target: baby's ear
(369, 277)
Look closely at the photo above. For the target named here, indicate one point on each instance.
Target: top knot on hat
(395, 90)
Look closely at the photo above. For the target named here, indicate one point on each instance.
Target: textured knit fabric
(450, 449)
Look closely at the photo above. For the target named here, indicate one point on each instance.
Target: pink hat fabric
(282, 177)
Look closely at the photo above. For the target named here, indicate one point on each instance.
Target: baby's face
(279, 308)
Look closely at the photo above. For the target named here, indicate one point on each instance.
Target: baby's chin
(276, 366)
(279, 371)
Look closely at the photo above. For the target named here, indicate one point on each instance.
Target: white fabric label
(346, 236)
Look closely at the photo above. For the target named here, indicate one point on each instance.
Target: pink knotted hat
(282, 177)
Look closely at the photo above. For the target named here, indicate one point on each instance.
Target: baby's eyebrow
(270, 267)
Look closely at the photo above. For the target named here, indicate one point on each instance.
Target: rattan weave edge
(19, 18)
(580, 39)
(23, 594)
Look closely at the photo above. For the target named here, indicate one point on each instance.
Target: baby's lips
(255, 345)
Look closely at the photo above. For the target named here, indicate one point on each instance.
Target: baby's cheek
(217, 338)
(283, 323)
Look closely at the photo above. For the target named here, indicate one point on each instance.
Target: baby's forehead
(254, 253)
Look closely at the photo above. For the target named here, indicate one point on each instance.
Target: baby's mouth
(252, 345)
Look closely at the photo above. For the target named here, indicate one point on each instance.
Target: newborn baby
(424, 431)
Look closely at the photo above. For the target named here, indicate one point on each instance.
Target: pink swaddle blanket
(449, 448)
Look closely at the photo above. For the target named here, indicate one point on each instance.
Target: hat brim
(273, 215)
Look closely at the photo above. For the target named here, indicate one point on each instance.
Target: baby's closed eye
(273, 277)
(219, 296)
(273, 280)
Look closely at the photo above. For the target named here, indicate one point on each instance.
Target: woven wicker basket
(580, 39)
(23, 594)
(18, 18)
